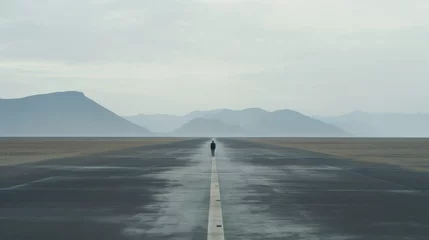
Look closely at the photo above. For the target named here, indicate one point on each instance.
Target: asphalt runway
(163, 192)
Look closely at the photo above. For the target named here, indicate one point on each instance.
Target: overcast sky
(170, 56)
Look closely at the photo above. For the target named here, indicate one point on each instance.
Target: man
(213, 148)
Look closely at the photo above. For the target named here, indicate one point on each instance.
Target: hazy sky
(174, 56)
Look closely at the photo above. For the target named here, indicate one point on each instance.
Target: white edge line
(26, 184)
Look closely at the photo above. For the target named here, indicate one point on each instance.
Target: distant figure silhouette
(213, 148)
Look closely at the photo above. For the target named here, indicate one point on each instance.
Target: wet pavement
(159, 192)
(163, 192)
(280, 193)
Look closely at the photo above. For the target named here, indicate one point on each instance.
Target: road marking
(26, 184)
(215, 225)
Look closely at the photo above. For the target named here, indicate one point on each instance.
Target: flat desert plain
(411, 153)
(27, 150)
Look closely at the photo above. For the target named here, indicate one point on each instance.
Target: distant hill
(290, 123)
(365, 124)
(165, 123)
(62, 114)
(201, 127)
(161, 123)
(255, 122)
(247, 122)
(282, 123)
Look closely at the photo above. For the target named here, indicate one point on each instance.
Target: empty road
(171, 191)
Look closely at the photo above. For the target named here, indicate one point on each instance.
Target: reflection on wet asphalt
(156, 192)
(274, 193)
(162, 192)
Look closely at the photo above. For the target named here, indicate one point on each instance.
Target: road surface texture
(163, 192)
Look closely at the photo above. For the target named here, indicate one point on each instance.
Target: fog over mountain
(161, 123)
(62, 114)
(248, 122)
(366, 124)
(73, 114)
(166, 123)
(202, 127)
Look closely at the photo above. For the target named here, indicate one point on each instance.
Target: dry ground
(409, 153)
(26, 150)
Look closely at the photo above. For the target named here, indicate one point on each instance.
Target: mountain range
(73, 114)
(247, 122)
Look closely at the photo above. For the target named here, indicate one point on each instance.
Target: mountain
(365, 124)
(282, 123)
(201, 127)
(62, 114)
(162, 123)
